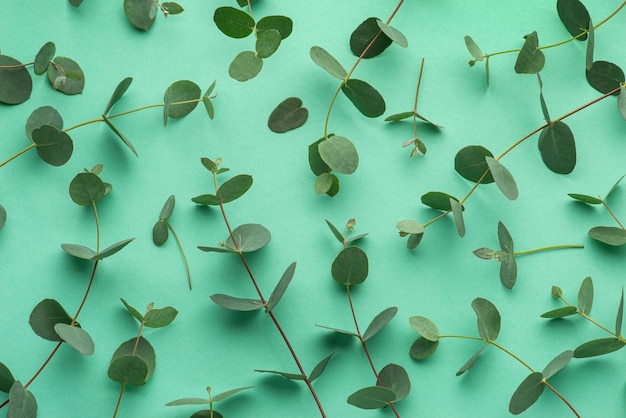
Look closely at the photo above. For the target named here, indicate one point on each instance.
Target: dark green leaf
(245, 66)
(457, 213)
(340, 331)
(574, 16)
(379, 322)
(438, 200)
(399, 116)
(76, 337)
(372, 397)
(6, 378)
(76, 3)
(120, 135)
(334, 187)
(168, 208)
(558, 363)
(527, 393)
(131, 366)
(290, 376)
(179, 92)
(207, 413)
(609, 235)
(45, 316)
(394, 377)
(335, 231)
(339, 154)
(425, 327)
(282, 24)
(590, 47)
(560, 312)
(53, 146)
(585, 198)
(505, 239)
(350, 267)
(118, 93)
(267, 43)
(508, 271)
(43, 58)
(322, 58)
(423, 348)
(16, 84)
(605, 76)
(234, 188)
(288, 115)
(488, 319)
(86, 188)
(224, 395)
(160, 232)
(470, 163)
(233, 22)
(140, 13)
(364, 97)
(557, 147)
(620, 315)
(414, 240)
(79, 251)
(503, 178)
(364, 34)
(172, 8)
(318, 166)
(45, 115)
(206, 200)
(621, 101)
(159, 318)
(249, 237)
(280, 288)
(393, 34)
(530, 59)
(66, 76)
(598, 347)
(474, 49)
(542, 101)
(109, 251)
(215, 249)
(585, 296)
(22, 403)
(484, 253)
(237, 304)
(470, 363)
(134, 312)
(320, 367)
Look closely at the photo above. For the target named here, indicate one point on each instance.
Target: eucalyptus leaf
(505, 239)
(621, 101)
(392, 33)
(282, 24)
(560, 312)
(609, 235)
(339, 330)
(585, 296)
(457, 213)
(620, 315)
(172, 8)
(470, 163)
(484, 253)
(508, 272)
(470, 363)
(530, 59)
(43, 58)
(22, 403)
(527, 393)
(249, 238)
(372, 397)
(267, 43)
(316, 163)
(189, 401)
(323, 183)
(70, 72)
(180, 92)
(379, 322)
(423, 348)
(575, 17)
(281, 287)
(474, 49)
(206, 413)
(557, 364)
(323, 58)
(6, 378)
(488, 319)
(86, 188)
(168, 208)
(556, 292)
(120, 135)
(118, 93)
(439, 201)
(394, 377)
(585, 198)
(208, 105)
(160, 232)
(614, 187)
(364, 97)
(334, 187)
(76, 337)
(542, 101)
(320, 367)
(399, 116)
(53, 146)
(161, 317)
(79, 251)
(350, 267)
(288, 115)
(425, 327)
(363, 36)
(133, 362)
(245, 66)
(234, 188)
(45, 316)
(339, 154)
(605, 77)
(237, 304)
(557, 147)
(335, 231)
(112, 249)
(289, 376)
(590, 47)
(134, 312)
(45, 115)
(139, 13)
(503, 178)
(16, 83)
(206, 200)
(598, 347)
(215, 249)
(233, 22)
(225, 395)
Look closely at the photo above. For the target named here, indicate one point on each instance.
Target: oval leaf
(364, 34)
(158, 318)
(527, 393)
(181, 91)
(339, 154)
(43, 58)
(557, 147)
(423, 348)
(237, 304)
(288, 115)
(16, 84)
(609, 235)
(438, 200)
(233, 22)
(118, 93)
(6, 378)
(558, 363)
(317, 165)
(320, 367)
(373, 397)
(364, 97)
(110, 250)
(66, 76)
(22, 403)
(392, 33)
(134, 312)
(245, 66)
(605, 76)
(168, 208)
(281, 287)
(86, 188)
(79, 251)
(249, 237)
(505, 239)
(139, 13)
(575, 17)
(45, 316)
(379, 322)
(323, 183)
(621, 102)
(322, 58)
(560, 312)
(234, 188)
(350, 267)
(508, 272)
(45, 115)
(585, 296)
(160, 233)
(470, 363)
(53, 146)
(598, 347)
(457, 213)
(267, 43)
(474, 49)
(503, 178)
(425, 327)
(76, 337)
(488, 319)
(282, 24)
(470, 163)
(585, 198)
(394, 377)
(133, 362)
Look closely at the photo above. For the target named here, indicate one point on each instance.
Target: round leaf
(233, 22)
(249, 238)
(282, 24)
(605, 76)
(76, 337)
(339, 154)
(609, 235)
(363, 36)
(267, 43)
(245, 66)
(423, 348)
(133, 366)
(45, 115)
(425, 327)
(45, 316)
(350, 266)
(234, 188)
(53, 146)
(181, 91)
(140, 13)
(86, 188)
(470, 163)
(527, 393)
(394, 377)
(288, 115)
(66, 76)
(557, 147)
(43, 57)
(364, 97)
(16, 84)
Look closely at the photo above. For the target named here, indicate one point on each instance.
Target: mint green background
(209, 346)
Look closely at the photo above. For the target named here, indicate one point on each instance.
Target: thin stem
(180, 246)
(495, 344)
(613, 214)
(119, 400)
(8, 67)
(588, 318)
(31, 146)
(557, 393)
(417, 92)
(552, 247)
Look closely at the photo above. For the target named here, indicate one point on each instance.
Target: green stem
(588, 318)
(31, 146)
(8, 67)
(612, 214)
(180, 246)
(119, 400)
(557, 393)
(552, 247)
(417, 92)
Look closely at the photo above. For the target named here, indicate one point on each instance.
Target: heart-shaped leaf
(350, 267)
(288, 115)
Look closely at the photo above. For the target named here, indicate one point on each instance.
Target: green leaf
(53, 146)
(45, 115)
(215, 249)
(172, 8)
(160, 232)
(86, 188)
(585, 296)
(282, 24)
(189, 401)
(109, 251)
(609, 235)
(470, 363)
(120, 135)
(439, 201)
(79, 251)
(245, 66)
(556, 292)
(318, 166)
(620, 315)
(614, 187)
(356, 237)
(76, 337)
(621, 101)
(139, 13)
(76, 3)
(334, 187)
(180, 91)
(527, 393)
(118, 93)
(560, 312)
(45, 316)
(206, 200)
(423, 348)
(605, 76)
(16, 84)
(379, 322)
(339, 154)
(414, 229)
(280, 288)
(320, 367)
(340, 331)
(350, 267)
(457, 213)
(267, 43)
(364, 97)
(590, 47)
(542, 101)
(393, 34)
(530, 59)
(131, 366)
(364, 34)
(474, 49)
(323, 58)
(6, 378)
(208, 105)
(488, 319)
(399, 116)
(290, 376)
(372, 397)
(207, 413)
(557, 147)
(557, 364)
(249, 238)
(134, 312)
(574, 16)
(323, 183)
(414, 240)
(288, 115)
(159, 318)
(237, 304)
(505, 239)
(395, 378)
(484, 253)
(424, 327)
(508, 272)
(598, 347)
(66, 76)
(233, 22)
(503, 178)
(585, 198)
(22, 403)
(470, 163)
(168, 208)
(234, 188)
(224, 395)
(335, 231)
(43, 58)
